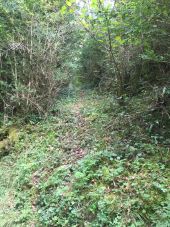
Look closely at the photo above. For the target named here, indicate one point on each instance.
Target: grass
(8, 213)
(91, 163)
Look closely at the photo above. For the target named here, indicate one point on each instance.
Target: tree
(134, 36)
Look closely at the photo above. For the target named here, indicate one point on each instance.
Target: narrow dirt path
(75, 131)
(75, 126)
(74, 137)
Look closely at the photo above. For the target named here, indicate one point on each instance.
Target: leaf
(68, 3)
(79, 175)
(63, 10)
(118, 38)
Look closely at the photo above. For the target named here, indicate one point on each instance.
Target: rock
(13, 135)
(4, 147)
(8, 137)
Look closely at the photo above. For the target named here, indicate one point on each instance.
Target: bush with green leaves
(105, 190)
(32, 69)
(133, 34)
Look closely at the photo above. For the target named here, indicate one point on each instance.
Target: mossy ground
(91, 163)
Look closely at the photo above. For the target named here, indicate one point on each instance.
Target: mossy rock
(13, 134)
(8, 137)
(3, 133)
(4, 144)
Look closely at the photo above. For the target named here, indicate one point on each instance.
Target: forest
(84, 113)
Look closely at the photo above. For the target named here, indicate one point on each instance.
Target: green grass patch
(86, 166)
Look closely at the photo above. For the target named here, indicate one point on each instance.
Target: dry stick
(16, 73)
(31, 41)
(31, 53)
(38, 107)
(166, 112)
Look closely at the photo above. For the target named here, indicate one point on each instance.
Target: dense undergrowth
(91, 163)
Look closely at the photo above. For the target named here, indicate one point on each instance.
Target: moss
(4, 144)
(13, 134)
(3, 133)
(9, 136)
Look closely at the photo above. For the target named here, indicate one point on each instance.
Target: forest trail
(75, 132)
(79, 134)
(75, 166)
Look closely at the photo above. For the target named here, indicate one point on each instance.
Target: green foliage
(88, 166)
(91, 64)
(98, 159)
(134, 37)
(96, 193)
(32, 57)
